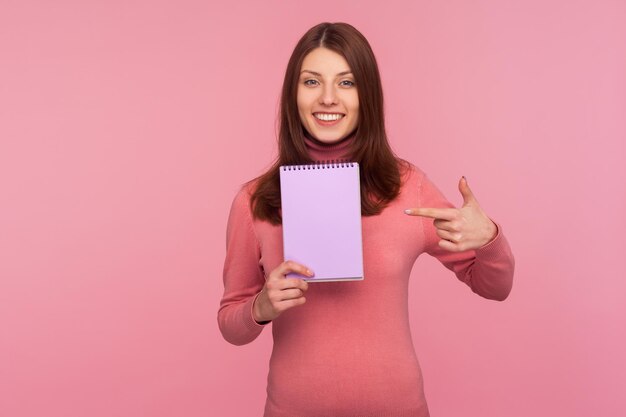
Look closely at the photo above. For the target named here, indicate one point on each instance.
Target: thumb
(468, 196)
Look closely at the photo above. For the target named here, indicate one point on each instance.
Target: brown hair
(379, 167)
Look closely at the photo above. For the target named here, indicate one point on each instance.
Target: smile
(328, 116)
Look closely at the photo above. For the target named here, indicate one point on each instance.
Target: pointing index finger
(435, 213)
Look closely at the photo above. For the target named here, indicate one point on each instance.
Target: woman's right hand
(281, 293)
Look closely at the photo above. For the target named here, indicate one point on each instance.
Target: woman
(345, 348)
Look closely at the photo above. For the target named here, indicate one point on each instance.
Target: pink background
(126, 128)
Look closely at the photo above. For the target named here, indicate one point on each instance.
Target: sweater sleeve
(243, 275)
(488, 270)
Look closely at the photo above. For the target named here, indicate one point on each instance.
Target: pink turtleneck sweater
(348, 351)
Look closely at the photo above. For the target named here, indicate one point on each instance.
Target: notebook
(321, 211)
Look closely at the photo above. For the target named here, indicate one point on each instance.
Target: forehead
(325, 62)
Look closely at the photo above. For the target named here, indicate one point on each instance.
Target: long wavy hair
(380, 169)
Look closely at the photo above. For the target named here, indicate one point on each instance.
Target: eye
(306, 82)
(350, 83)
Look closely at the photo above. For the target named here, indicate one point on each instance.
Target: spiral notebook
(321, 211)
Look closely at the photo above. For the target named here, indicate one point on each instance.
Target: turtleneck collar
(320, 151)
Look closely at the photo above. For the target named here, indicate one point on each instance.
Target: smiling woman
(346, 349)
(328, 100)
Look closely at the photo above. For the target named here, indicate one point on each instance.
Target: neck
(320, 151)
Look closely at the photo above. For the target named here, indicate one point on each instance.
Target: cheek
(302, 104)
(355, 121)
(354, 103)
(355, 113)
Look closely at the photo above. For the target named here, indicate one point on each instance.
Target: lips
(330, 122)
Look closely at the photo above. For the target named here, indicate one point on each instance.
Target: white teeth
(328, 117)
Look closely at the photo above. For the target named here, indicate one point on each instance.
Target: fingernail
(309, 272)
(407, 211)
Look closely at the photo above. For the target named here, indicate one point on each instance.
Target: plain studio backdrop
(127, 127)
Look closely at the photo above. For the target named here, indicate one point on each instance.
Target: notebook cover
(321, 211)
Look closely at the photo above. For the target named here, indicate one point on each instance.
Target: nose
(328, 96)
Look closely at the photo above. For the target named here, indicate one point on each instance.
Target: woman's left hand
(462, 228)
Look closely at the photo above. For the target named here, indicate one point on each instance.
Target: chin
(329, 138)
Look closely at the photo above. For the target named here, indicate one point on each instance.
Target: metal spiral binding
(331, 163)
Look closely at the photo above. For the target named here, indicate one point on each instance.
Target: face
(328, 102)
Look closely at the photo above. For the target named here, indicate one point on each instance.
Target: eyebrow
(319, 75)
